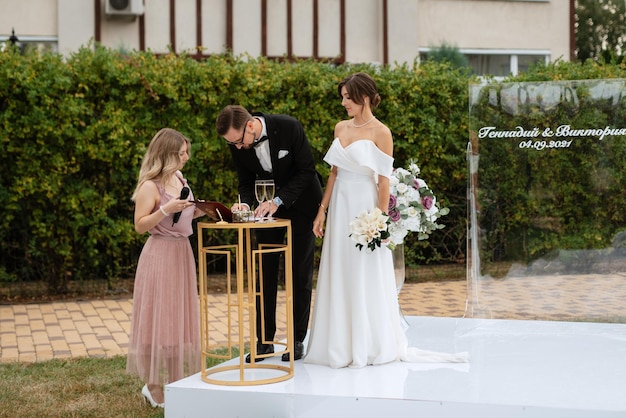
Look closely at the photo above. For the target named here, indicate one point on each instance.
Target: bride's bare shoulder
(382, 129)
(340, 127)
(383, 138)
(342, 124)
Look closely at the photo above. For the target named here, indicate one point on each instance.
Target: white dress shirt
(263, 149)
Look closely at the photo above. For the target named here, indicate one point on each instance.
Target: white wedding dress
(356, 320)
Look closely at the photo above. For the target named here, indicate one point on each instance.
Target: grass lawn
(80, 387)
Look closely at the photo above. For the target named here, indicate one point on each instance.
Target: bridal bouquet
(370, 229)
(413, 206)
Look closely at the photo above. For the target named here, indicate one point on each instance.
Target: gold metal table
(243, 301)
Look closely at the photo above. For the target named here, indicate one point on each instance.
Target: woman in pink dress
(164, 341)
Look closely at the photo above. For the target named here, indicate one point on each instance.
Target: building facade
(499, 37)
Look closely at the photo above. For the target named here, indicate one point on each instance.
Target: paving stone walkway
(99, 328)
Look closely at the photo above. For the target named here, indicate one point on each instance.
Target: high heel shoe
(147, 395)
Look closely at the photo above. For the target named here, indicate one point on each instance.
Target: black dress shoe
(298, 350)
(261, 349)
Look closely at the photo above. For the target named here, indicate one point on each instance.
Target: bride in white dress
(356, 320)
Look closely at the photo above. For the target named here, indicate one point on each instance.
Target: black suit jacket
(293, 168)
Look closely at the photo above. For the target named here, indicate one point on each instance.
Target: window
(42, 43)
(499, 63)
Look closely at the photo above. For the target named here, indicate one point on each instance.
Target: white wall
(76, 22)
(496, 25)
(413, 24)
(157, 23)
(329, 31)
(403, 25)
(29, 17)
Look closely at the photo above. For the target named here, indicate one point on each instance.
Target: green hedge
(73, 132)
(534, 203)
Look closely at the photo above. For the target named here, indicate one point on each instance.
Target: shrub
(73, 132)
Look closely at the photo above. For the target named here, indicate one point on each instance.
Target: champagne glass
(269, 193)
(259, 192)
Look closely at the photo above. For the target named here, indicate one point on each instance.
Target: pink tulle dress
(164, 341)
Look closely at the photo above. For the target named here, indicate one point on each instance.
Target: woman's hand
(318, 224)
(177, 205)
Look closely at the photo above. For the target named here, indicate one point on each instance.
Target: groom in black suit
(266, 146)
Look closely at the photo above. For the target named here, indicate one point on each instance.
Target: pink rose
(392, 202)
(394, 215)
(427, 201)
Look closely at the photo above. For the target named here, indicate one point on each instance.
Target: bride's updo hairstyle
(359, 86)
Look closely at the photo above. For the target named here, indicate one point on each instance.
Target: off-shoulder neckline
(353, 142)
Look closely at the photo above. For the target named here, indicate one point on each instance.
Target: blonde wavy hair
(162, 159)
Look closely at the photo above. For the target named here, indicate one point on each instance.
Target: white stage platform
(516, 369)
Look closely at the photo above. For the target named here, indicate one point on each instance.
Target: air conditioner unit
(123, 7)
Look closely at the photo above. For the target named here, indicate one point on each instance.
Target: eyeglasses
(240, 142)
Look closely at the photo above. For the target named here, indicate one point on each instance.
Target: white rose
(413, 195)
(412, 212)
(402, 188)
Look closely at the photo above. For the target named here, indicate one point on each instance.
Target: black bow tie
(261, 139)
